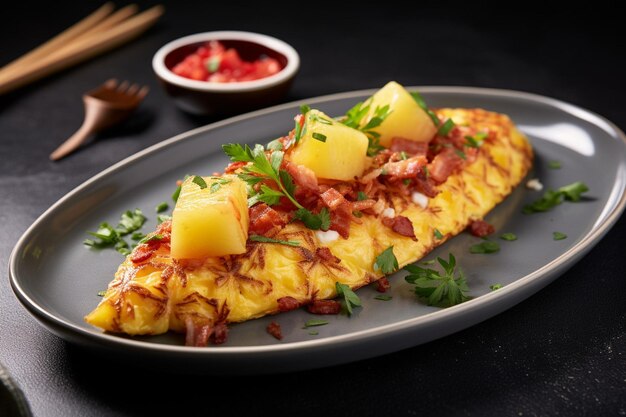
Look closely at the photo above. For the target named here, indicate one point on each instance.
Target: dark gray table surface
(561, 352)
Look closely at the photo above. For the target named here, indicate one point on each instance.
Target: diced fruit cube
(406, 120)
(330, 149)
(210, 221)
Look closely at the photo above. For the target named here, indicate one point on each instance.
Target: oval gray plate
(57, 279)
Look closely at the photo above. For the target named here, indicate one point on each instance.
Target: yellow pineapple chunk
(210, 221)
(330, 149)
(406, 120)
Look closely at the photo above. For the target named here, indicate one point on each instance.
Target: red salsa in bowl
(214, 62)
(226, 72)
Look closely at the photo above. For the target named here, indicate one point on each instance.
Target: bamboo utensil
(99, 32)
(105, 106)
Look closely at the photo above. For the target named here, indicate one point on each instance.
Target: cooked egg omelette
(231, 277)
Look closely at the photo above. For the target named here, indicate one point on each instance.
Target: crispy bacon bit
(327, 255)
(145, 251)
(383, 285)
(234, 166)
(220, 334)
(444, 164)
(333, 199)
(340, 220)
(287, 304)
(407, 168)
(263, 218)
(363, 204)
(302, 176)
(274, 329)
(324, 307)
(409, 146)
(481, 228)
(197, 334)
(403, 226)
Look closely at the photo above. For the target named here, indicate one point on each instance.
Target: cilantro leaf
(130, 221)
(551, 198)
(314, 221)
(386, 262)
(438, 289)
(264, 239)
(350, 299)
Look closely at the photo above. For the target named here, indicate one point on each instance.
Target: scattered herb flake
(354, 118)
(314, 332)
(151, 238)
(495, 287)
(485, 247)
(386, 262)
(199, 181)
(264, 239)
(304, 109)
(383, 297)
(438, 234)
(460, 154)
(508, 236)
(431, 262)
(137, 236)
(315, 322)
(213, 64)
(163, 217)
(161, 207)
(360, 196)
(275, 145)
(446, 127)
(552, 198)
(102, 293)
(176, 193)
(559, 236)
(349, 298)
(319, 136)
(438, 289)
(554, 165)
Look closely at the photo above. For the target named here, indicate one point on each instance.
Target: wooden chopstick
(92, 43)
(58, 41)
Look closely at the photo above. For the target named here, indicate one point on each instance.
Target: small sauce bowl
(225, 99)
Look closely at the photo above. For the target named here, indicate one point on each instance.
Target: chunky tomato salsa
(215, 63)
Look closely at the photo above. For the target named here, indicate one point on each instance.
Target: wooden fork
(105, 106)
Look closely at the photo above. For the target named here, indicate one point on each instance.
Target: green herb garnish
(315, 322)
(552, 198)
(559, 236)
(199, 181)
(446, 127)
(386, 262)
(354, 118)
(163, 217)
(475, 141)
(102, 293)
(485, 247)
(383, 297)
(161, 207)
(495, 287)
(554, 165)
(360, 196)
(349, 298)
(152, 238)
(319, 136)
(460, 153)
(438, 289)
(262, 168)
(508, 236)
(107, 236)
(438, 234)
(314, 332)
(259, 238)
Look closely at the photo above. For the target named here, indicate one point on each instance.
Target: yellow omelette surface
(159, 296)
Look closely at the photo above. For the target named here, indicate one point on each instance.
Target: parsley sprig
(386, 262)
(354, 118)
(443, 290)
(553, 198)
(349, 298)
(262, 168)
(107, 235)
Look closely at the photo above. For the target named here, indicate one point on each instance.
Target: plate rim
(509, 291)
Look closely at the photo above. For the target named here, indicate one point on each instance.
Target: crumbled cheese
(420, 199)
(327, 237)
(534, 184)
(389, 212)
